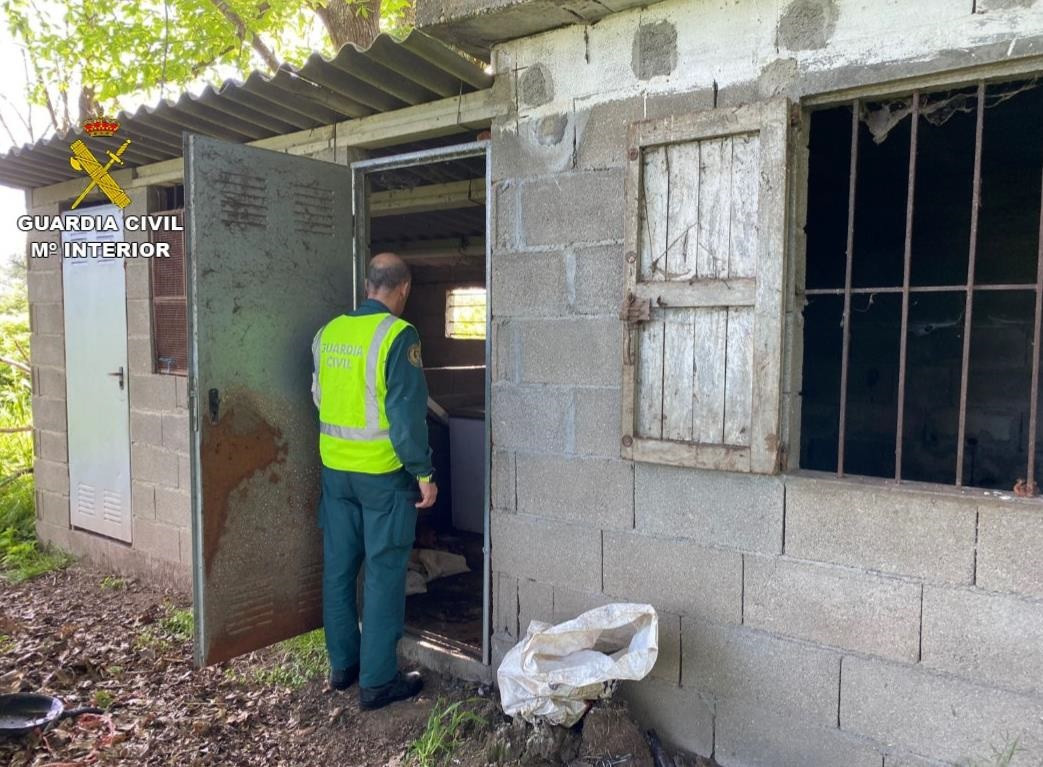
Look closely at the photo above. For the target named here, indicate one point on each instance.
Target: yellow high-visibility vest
(350, 355)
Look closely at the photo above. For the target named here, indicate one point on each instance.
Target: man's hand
(428, 494)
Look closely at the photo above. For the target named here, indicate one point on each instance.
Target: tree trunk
(355, 22)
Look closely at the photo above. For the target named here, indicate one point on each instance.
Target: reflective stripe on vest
(353, 426)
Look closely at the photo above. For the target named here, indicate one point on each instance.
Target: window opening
(924, 287)
(169, 302)
(465, 313)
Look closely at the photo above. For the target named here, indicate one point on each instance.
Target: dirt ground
(91, 639)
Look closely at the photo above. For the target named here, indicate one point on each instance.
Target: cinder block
(146, 426)
(173, 506)
(598, 280)
(52, 508)
(538, 145)
(573, 207)
(157, 539)
(505, 216)
(845, 608)
(594, 491)
(139, 356)
(44, 286)
(601, 132)
(49, 414)
(153, 392)
(149, 463)
(47, 319)
(583, 352)
(184, 472)
(712, 507)
(530, 418)
(181, 390)
(924, 713)
(504, 351)
(908, 532)
(535, 603)
(139, 317)
(674, 103)
(51, 475)
(1009, 546)
(53, 445)
(680, 716)
(138, 279)
(674, 575)
(49, 382)
(505, 605)
(528, 285)
(143, 499)
(184, 537)
(503, 486)
(986, 637)
(735, 663)
(175, 431)
(752, 737)
(547, 551)
(501, 645)
(47, 350)
(596, 422)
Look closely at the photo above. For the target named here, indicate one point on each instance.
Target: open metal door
(269, 260)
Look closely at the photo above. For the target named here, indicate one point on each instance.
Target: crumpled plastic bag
(426, 565)
(553, 672)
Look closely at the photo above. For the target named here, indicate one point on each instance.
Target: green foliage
(113, 583)
(156, 48)
(445, 726)
(297, 661)
(103, 699)
(21, 557)
(179, 624)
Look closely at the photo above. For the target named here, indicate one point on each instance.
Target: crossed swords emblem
(84, 160)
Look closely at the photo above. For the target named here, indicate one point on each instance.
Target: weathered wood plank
(711, 336)
(738, 387)
(715, 158)
(654, 213)
(678, 373)
(698, 293)
(719, 457)
(742, 256)
(683, 210)
(649, 403)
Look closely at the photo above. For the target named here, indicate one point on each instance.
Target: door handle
(119, 374)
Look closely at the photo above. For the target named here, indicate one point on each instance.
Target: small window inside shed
(465, 314)
(169, 302)
(922, 311)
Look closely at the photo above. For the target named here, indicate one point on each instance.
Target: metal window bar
(906, 290)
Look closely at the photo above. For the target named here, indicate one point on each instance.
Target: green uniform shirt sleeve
(406, 403)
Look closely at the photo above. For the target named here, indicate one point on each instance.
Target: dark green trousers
(366, 519)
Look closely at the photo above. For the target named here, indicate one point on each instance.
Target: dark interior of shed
(1003, 311)
(433, 215)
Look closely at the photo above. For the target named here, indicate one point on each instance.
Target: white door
(96, 384)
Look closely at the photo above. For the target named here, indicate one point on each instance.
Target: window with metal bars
(922, 297)
(169, 303)
(465, 314)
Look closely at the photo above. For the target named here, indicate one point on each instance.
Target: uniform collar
(372, 303)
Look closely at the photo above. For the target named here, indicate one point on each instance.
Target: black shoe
(402, 687)
(343, 678)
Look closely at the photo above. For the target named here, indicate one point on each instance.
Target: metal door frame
(360, 211)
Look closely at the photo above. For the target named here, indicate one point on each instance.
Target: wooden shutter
(706, 203)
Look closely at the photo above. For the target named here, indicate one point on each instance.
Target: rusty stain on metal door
(269, 261)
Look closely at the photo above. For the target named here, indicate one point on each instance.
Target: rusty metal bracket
(635, 311)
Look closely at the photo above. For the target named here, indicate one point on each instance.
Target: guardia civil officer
(371, 394)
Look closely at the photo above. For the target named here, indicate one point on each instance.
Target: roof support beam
(426, 198)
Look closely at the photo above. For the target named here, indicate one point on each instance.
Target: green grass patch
(102, 699)
(5, 642)
(178, 623)
(1000, 756)
(297, 661)
(113, 583)
(446, 726)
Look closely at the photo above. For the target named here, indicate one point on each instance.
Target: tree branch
(17, 365)
(15, 429)
(244, 32)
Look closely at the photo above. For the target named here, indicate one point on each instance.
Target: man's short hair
(387, 276)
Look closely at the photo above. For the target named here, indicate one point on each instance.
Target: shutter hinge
(635, 310)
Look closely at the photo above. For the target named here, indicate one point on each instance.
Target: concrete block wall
(804, 621)
(161, 547)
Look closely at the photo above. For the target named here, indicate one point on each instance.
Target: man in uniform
(371, 394)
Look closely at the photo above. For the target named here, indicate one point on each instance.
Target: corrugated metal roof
(388, 75)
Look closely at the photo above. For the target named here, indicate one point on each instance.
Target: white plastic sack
(552, 673)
